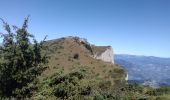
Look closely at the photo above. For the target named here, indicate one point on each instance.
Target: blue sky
(140, 27)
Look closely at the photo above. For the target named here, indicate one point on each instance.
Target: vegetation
(72, 73)
(139, 92)
(76, 86)
(20, 61)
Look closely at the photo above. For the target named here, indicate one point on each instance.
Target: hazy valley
(146, 69)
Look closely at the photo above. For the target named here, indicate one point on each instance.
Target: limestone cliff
(104, 53)
(127, 76)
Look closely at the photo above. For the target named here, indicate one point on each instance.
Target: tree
(20, 60)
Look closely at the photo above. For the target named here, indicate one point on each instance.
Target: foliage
(20, 60)
(139, 92)
(76, 85)
(76, 56)
(67, 86)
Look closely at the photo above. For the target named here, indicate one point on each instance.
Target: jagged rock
(127, 76)
(104, 53)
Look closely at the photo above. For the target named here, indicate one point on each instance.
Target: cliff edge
(104, 53)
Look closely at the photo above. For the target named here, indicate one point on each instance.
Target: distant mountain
(146, 68)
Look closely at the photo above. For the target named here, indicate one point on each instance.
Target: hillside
(142, 68)
(77, 70)
(63, 54)
(72, 57)
(81, 71)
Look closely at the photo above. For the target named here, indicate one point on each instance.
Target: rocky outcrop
(106, 55)
(126, 78)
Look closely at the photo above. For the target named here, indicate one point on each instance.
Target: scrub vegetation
(62, 69)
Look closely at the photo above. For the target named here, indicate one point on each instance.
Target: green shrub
(21, 61)
(68, 85)
(98, 97)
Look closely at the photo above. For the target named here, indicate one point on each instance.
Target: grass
(68, 56)
(72, 53)
(73, 74)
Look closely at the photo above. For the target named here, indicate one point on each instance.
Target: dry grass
(62, 53)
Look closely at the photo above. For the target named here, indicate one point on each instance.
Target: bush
(21, 61)
(68, 85)
(76, 56)
(98, 97)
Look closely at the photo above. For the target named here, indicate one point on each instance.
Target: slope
(141, 68)
(72, 66)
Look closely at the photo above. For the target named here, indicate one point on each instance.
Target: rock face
(127, 77)
(106, 55)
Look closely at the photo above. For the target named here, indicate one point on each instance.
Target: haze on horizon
(139, 27)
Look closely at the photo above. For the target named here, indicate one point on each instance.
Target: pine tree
(20, 60)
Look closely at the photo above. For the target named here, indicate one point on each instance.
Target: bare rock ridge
(104, 53)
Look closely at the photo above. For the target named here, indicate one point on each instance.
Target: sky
(139, 27)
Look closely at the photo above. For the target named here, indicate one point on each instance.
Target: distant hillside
(141, 68)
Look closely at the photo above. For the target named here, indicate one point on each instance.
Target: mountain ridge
(145, 67)
(143, 56)
(74, 57)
